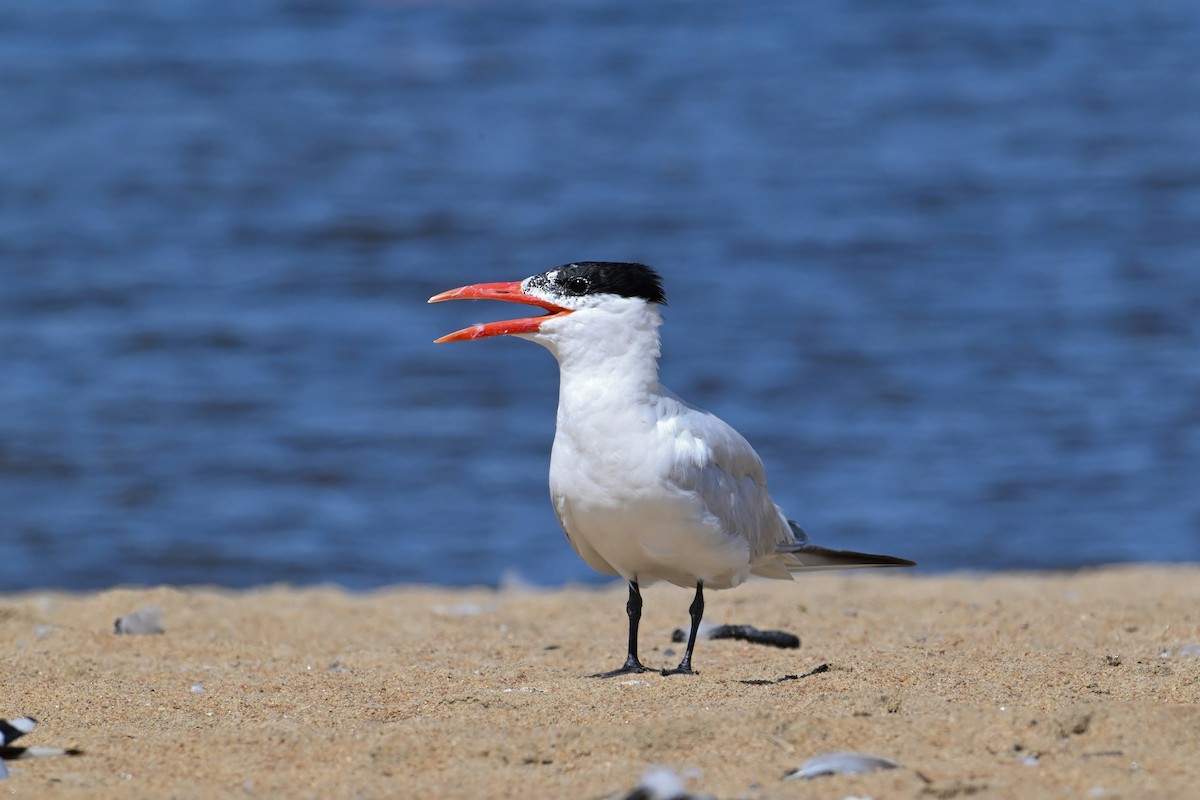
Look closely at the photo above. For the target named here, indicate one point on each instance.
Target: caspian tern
(646, 486)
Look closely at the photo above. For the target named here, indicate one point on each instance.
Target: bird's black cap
(621, 278)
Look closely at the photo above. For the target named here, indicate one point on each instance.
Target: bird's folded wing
(715, 463)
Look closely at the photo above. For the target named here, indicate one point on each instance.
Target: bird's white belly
(667, 536)
(625, 479)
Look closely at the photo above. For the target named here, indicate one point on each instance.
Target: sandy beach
(1046, 685)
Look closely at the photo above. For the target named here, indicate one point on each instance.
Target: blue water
(940, 262)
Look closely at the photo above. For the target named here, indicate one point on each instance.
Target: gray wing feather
(716, 462)
(719, 465)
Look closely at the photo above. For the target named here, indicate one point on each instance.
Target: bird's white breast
(615, 480)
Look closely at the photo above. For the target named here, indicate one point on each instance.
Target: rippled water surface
(940, 262)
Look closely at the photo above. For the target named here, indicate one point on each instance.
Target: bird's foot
(682, 669)
(631, 667)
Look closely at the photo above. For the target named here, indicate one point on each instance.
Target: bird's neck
(625, 375)
(617, 358)
(604, 396)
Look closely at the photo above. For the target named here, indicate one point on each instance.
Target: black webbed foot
(631, 667)
(682, 669)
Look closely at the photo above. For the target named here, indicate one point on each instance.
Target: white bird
(646, 486)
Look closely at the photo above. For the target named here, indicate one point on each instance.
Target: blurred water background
(938, 261)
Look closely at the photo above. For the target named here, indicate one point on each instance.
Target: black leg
(634, 609)
(697, 611)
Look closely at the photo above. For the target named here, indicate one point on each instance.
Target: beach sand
(1011, 685)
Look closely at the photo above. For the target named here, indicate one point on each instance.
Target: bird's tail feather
(810, 558)
(800, 556)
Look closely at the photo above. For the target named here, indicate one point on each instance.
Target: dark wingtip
(865, 559)
(847, 558)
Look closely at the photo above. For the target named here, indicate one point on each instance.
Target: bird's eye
(577, 285)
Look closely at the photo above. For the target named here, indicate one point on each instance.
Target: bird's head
(583, 300)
